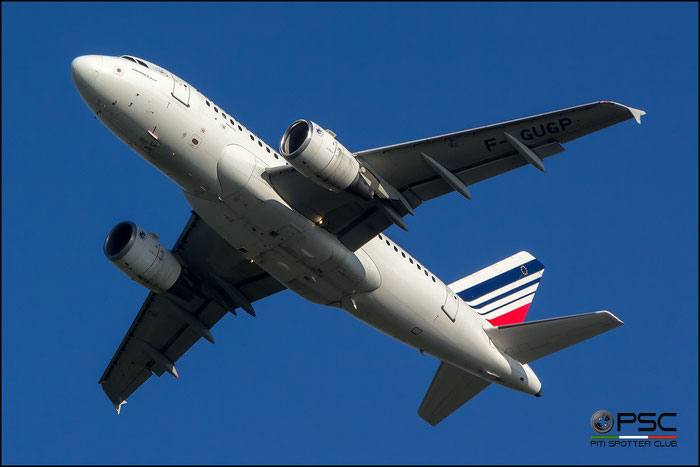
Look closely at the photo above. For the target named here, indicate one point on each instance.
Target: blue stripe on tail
(501, 280)
(503, 295)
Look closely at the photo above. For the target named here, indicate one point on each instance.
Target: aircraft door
(181, 91)
(451, 305)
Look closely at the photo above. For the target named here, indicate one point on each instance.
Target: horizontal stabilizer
(526, 342)
(450, 389)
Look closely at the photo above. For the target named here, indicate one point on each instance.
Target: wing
(418, 171)
(167, 326)
(451, 388)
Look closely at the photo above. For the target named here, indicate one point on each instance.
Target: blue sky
(614, 220)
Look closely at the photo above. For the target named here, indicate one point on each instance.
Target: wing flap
(451, 388)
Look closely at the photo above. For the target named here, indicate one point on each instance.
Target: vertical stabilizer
(502, 293)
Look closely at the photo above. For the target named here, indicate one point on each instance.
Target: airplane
(310, 217)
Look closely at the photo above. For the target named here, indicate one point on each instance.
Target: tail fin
(502, 292)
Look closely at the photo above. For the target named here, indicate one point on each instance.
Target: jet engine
(316, 153)
(139, 255)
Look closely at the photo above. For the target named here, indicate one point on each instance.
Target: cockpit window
(134, 60)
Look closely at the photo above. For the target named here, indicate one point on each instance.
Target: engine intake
(139, 255)
(316, 153)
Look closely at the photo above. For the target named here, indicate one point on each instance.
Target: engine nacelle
(316, 153)
(139, 255)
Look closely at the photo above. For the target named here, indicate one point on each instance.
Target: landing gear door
(451, 306)
(181, 91)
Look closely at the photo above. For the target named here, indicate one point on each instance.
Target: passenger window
(276, 156)
(216, 110)
(425, 271)
(208, 104)
(396, 249)
(251, 137)
(231, 120)
(223, 114)
(239, 127)
(411, 260)
(387, 242)
(403, 254)
(259, 144)
(268, 149)
(418, 265)
(433, 278)
(380, 237)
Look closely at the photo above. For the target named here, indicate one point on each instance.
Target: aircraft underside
(311, 219)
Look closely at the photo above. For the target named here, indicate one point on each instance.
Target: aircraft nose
(85, 69)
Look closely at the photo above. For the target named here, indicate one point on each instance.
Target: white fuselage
(220, 166)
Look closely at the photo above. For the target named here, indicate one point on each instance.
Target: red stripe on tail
(512, 317)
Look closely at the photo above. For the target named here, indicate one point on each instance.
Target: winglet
(118, 407)
(637, 114)
(606, 312)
